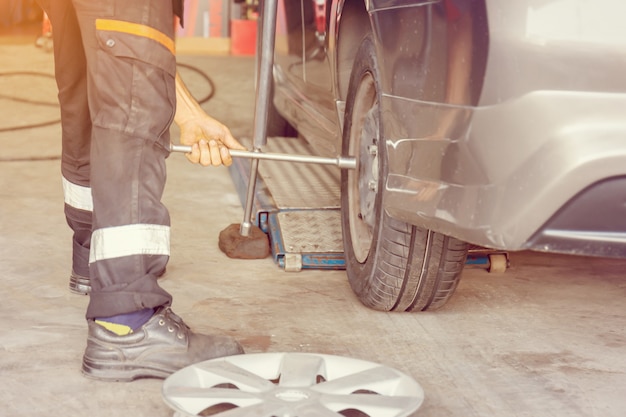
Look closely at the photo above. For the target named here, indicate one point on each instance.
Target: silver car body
(504, 122)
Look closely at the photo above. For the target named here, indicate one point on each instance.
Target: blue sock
(124, 324)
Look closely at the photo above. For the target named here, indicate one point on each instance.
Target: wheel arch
(425, 46)
(347, 14)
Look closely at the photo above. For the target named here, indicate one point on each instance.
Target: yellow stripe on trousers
(136, 29)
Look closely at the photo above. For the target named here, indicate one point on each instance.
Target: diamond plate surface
(298, 185)
(311, 231)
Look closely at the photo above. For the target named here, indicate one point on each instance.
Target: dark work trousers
(115, 70)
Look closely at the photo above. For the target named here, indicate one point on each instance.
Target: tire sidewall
(361, 274)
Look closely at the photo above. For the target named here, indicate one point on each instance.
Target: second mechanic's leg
(71, 78)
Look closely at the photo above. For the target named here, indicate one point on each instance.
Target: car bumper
(507, 171)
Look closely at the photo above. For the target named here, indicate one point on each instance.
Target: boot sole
(79, 285)
(121, 372)
(79, 289)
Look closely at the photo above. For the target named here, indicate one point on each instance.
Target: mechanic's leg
(131, 65)
(71, 78)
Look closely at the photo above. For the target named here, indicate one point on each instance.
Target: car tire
(391, 265)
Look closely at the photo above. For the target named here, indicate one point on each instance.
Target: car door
(303, 73)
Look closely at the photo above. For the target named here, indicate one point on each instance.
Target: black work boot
(159, 348)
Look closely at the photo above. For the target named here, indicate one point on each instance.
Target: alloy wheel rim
(363, 182)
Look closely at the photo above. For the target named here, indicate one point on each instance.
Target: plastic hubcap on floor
(291, 385)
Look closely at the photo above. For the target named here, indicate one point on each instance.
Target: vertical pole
(266, 51)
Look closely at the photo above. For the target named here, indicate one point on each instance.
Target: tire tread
(418, 270)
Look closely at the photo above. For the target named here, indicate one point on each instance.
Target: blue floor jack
(493, 260)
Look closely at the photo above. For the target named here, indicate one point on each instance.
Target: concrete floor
(546, 338)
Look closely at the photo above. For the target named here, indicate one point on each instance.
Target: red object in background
(243, 37)
(320, 15)
(46, 27)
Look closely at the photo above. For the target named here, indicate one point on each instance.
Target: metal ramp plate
(297, 205)
(297, 185)
(307, 239)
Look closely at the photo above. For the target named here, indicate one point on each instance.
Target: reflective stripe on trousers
(115, 242)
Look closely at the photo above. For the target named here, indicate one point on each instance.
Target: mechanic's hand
(209, 139)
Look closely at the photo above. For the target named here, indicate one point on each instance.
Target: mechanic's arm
(209, 139)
